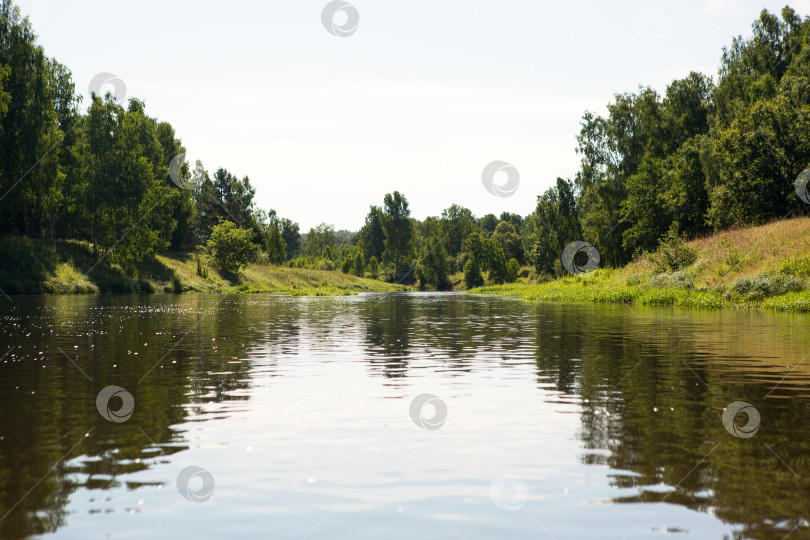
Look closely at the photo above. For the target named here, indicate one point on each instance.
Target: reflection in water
(299, 408)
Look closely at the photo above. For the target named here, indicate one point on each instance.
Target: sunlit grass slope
(29, 266)
(758, 267)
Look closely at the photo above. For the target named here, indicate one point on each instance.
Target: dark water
(268, 417)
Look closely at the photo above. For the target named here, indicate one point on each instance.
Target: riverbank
(765, 267)
(30, 266)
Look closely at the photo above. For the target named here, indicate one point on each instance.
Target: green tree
(291, 236)
(359, 266)
(508, 238)
(398, 231)
(487, 255)
(124, 191)
(276, 248)
(373, 266)
(556, 224)
(512, 269)
(459, 223)
(758, 156)
(432, 268)
(488, 223)
(472, 274)
(318, 238)
(372, 235)
(231, 248)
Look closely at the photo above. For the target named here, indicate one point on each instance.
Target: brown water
(295, 414)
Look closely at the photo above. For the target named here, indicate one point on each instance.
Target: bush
(325, 264)
(796, 267)
(673, 254)
(767, 284)
(346, 267)
(675, 280)
(231, 248)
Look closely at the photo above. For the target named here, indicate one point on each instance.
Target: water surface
(562, 421)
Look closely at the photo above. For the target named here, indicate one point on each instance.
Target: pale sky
(419, 99)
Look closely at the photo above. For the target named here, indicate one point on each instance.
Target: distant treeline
(702, 157)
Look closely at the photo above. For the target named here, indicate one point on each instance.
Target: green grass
(765, 267)
(30, 266)
(601, 289)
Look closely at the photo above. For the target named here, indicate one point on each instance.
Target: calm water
(547, 421)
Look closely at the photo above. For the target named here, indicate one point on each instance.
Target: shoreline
(579, 291)
(40, 267)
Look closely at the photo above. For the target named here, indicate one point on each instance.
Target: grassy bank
(29, 266)
(765, 267)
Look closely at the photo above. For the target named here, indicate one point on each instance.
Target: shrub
(346, 267)
(796, 267)
(767, 284)
(673, 254)
(231, 248)
(325, 264)
(674, 280)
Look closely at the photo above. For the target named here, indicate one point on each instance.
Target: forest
(707, 154)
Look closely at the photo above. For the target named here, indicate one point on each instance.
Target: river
(399, 416)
